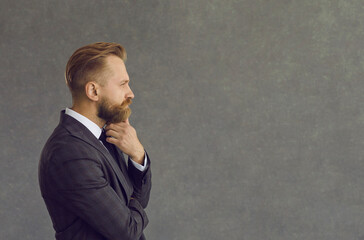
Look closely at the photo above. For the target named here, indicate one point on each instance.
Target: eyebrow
(125, 80)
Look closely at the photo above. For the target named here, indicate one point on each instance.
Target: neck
(88, 110)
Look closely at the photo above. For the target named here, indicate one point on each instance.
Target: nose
(130, 94)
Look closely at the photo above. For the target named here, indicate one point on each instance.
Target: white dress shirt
(96, 131)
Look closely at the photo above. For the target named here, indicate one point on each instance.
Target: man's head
(88, 63)
(96, 74)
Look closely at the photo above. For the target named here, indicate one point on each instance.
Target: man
(89, 190)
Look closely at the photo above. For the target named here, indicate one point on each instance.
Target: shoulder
(64, 146)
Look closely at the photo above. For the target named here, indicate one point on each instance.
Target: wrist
(138, 157)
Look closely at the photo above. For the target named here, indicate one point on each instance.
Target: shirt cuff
(139, 166)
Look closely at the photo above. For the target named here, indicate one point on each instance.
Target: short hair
(87, 64)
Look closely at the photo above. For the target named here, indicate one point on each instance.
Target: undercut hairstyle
(88, 64)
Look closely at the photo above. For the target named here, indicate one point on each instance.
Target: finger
(114, 126)
(111, 133)
(110, 126)
(111, 140)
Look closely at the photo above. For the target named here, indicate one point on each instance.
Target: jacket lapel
(80, 131)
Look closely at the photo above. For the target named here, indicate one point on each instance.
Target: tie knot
(102, 137)
(107, 145)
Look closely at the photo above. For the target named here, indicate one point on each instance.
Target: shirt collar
(90, 125)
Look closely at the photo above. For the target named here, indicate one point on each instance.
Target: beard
(114, 113)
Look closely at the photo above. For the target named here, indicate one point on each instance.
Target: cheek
(119, 97)
(115, 95)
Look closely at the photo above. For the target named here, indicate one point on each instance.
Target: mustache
(126, 103)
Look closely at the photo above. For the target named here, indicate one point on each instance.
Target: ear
(92, 91)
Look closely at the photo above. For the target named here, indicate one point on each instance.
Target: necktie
(108, 145)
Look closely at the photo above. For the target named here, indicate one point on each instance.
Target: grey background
(252, 111)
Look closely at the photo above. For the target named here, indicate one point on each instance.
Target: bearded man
(89, 189)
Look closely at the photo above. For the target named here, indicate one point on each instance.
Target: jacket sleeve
(80, 185)
(142, 182)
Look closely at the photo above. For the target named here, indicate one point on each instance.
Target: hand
(124, 136)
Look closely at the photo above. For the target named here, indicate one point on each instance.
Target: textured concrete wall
(252, 111)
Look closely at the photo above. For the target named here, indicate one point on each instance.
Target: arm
(81, 186)
(141, 182)
(124, 136)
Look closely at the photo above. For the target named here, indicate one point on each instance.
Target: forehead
(115, 69)
(115, 63)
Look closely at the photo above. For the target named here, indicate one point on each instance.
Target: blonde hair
(88, 64)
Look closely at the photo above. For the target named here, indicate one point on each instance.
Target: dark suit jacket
(89, 195)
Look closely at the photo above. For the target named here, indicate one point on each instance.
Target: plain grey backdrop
(252, 111)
